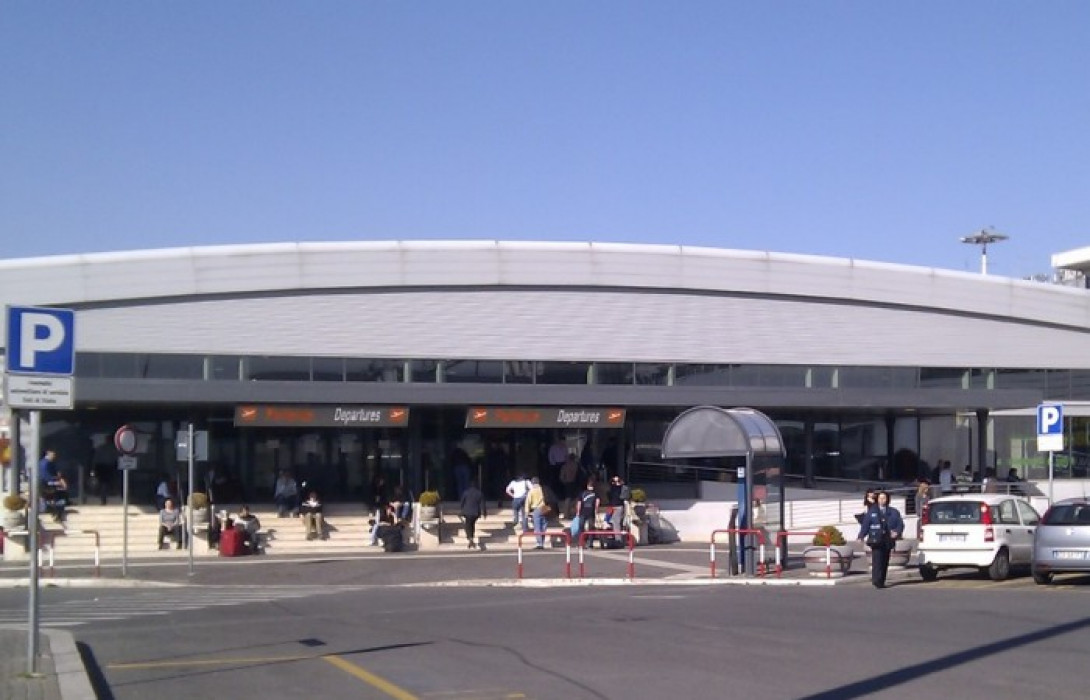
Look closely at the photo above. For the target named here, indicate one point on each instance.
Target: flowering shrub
(829, 535)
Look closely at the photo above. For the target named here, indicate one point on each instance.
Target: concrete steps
(346, 524)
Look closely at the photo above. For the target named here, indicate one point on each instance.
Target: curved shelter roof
(711, 431)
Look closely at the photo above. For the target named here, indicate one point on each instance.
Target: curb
(71, 674)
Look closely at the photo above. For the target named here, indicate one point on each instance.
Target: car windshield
(960, 512)
(1068, 514)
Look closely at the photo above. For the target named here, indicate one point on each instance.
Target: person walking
(882, 526)
(586, 514)
(472, 508)
(517, 491)
(538, 509)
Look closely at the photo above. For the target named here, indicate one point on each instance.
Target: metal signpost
(41, 359)
(125, 441)
(1050, 436)
(190, 447)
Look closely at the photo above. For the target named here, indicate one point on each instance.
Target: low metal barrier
(784, 534)
(583, 536)
(547, 533)
(740, 531)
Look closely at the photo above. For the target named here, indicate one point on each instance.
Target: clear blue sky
(872, 130)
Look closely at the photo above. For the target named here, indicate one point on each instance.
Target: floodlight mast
(982, 238)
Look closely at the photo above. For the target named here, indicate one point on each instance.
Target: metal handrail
(583, 536)
(546, 533)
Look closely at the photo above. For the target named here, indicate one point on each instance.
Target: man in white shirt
(517, 490)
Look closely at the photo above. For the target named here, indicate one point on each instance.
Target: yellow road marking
(370, 678)
(204, 662)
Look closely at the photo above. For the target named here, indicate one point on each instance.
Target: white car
(992, 532)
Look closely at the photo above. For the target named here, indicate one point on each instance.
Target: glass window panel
(823, 377)
(865, 377)
(904, 377)
(652, 374)
(473, 371)
(563, 372)
(327, 369)
(387, 370)
(280, 369)
(1022, 379)
(518, 372)
(613, 372)
(88, 364)
(1059, 384)
(702, 375)
(826, 449)
(942, 377)
(170, 366)
(423, 371)
(983, 378)
(224, 367)
(769, 375)
(119, 365)
(1080, 384)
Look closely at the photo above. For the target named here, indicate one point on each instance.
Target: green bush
(429, 498)
(198, 500)
(638, 495)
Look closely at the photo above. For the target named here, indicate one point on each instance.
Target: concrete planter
(900, 555)
(839, 560)
(13, 520)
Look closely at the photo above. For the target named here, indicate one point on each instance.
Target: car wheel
(928, 572)
(1042, 578)
(1000, 567)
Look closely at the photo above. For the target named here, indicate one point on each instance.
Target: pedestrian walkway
(60, 672)
(121, 604)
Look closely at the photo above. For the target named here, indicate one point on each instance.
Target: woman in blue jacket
(880, 529)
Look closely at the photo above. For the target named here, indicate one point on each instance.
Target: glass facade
(822, 443)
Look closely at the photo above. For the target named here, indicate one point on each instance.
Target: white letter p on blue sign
(40, 340)
(1050, 419)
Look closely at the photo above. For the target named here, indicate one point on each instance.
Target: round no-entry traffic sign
(125, 440)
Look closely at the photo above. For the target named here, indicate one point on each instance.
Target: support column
(981, 443)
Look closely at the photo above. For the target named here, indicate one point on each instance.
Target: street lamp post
(982, 238)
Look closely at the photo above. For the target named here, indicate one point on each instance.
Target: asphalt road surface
(961, 638)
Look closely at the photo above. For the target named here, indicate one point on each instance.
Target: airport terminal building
(341, 361)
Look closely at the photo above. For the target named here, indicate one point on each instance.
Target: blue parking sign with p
(41, 340)
(1050, 419)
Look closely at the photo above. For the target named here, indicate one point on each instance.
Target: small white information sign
(38, 392)
(126, 463)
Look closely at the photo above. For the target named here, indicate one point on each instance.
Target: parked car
(992, 532)
(1062, 541)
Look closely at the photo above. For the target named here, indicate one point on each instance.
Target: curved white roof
(285, 267)
(579, 301)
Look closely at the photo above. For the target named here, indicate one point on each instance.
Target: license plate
(1068, 554)
(951, 538)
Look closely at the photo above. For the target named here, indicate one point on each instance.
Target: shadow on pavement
(910, 673)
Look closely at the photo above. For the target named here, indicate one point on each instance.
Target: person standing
(286, 495)
(619, 495)
(923, 497)
(882, 526)
(946, 479)
(517, 491)
(558, 455)
(586, 515)
(472, 508)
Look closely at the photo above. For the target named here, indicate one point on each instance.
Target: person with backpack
(586, 514)
(880, 529)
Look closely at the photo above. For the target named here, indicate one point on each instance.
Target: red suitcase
(231, 543)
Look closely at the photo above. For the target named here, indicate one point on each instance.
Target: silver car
(1062, 541)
